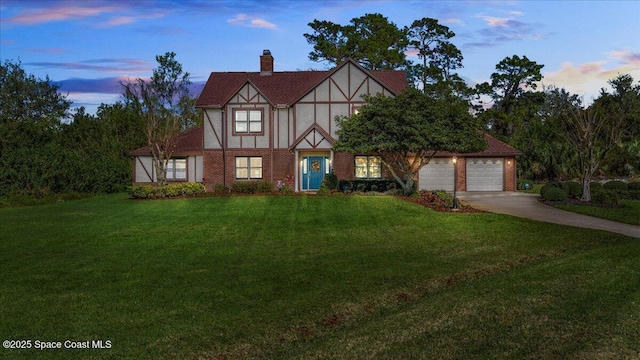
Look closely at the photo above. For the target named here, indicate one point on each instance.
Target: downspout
(223, 143)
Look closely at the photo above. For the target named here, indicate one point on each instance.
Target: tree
(440, 58)
(165, 107)
(407, 131)
(593, 133)
(371, 40)
(625, 101)
(31, 113)
(512, 77)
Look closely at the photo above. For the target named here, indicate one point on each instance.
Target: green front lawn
(629, 213)
(311, 277)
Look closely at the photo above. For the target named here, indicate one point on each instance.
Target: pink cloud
(495, 21)
(588, 78)
(39, 16)
(47, 50)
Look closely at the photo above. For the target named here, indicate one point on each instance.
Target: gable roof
(496, 148)
(286, 87)
(189, 142)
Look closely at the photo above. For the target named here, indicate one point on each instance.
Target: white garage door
(484, 174)
(436, 175)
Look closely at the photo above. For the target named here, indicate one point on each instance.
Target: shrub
(265, 186)
(595, 185)
(365, 185)
(605, 197)
(445, 197)
(631, 195)
(634, 185)
(331, 181)
(545, 188)
(170, 190)
(285, 190)
(323, 191)
(555, 194)
(572, 188)
(616, 185)
(143, 192)
(220, 189)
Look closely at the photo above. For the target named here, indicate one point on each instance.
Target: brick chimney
(266, 63)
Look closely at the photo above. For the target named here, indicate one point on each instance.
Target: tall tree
(625, 101)
(439, 57)
(407, 131)
(31, 112)
(165, 107)
(513, 77)
(371, 40)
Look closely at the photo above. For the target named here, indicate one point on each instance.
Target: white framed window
(247, 121)
(248, 167)
(176, 169)
(368, 167)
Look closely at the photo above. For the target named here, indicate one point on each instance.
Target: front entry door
(313, 170)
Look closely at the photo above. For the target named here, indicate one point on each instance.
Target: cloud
(626, 57)
(47, 50)
(588, 78)
(120, 66)
(250, 21)
(109, 85)
(39, 16)
(503, 29)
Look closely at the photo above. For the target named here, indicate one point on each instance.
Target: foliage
(220, 189)
(252, 187)
(509, 90)
(631, 195)
(331, 181)
(371, 40)
(166, 191)
(572, 188)
(596, 185)
(545, 188)
(554, 194)
(406, 131)
(439, 57)
(616, 185)
(31, 114)
(634, 185)
(165, 107)
(363, 185)
(605, 197)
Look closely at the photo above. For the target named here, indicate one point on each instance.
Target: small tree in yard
(165, 107)
(408, 130)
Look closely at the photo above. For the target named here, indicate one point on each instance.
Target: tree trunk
(586, 187)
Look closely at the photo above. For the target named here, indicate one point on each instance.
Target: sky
(89, 46)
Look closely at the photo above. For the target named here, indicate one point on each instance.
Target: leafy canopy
(408, 130)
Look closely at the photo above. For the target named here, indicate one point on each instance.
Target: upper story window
(248, 121)
(177, 169)
(368, 167)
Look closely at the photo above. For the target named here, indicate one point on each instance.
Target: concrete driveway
(527, 206)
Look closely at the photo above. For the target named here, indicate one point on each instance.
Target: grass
(311, 277)
(629, 213)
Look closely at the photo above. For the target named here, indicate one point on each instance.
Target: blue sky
(89, 46)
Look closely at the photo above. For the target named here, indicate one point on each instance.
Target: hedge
(363, 185)
(166, 191)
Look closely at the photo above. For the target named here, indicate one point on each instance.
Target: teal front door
(313, 170)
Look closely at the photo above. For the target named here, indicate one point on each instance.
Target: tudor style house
(270, 125)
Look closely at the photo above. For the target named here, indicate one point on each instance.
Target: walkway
(527, 206)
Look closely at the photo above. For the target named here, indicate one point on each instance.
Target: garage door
(484, 174)
(436, 175)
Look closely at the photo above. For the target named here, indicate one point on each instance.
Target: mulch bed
(440, 207)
